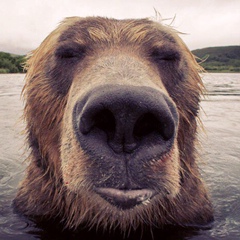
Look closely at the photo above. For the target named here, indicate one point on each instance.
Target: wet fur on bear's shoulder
(111, 119)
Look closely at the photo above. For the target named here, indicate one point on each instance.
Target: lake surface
(220, 160)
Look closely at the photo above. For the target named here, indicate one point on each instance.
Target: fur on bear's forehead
(104, 30)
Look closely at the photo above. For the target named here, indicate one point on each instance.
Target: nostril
(99, 119)
(148, 124)
(105, 121)
(145, 125)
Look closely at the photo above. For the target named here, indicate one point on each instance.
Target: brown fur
(57, 182)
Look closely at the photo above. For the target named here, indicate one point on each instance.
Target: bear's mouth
(126, 199)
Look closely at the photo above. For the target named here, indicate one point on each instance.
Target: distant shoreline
(219, 59)
(222, 71)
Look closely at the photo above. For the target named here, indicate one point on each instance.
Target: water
(220, 165)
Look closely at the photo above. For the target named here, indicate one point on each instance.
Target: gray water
(220, 160)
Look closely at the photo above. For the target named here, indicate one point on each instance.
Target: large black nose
(125, 119)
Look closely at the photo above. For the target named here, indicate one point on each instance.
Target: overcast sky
(25, 23)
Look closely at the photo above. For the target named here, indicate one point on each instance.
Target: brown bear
(111, 118)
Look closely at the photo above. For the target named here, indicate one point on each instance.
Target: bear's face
(108, 112)
(111, 109)
(120, 126)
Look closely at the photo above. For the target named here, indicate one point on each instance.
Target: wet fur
(45, 192)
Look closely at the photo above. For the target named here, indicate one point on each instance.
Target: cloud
(25, 23)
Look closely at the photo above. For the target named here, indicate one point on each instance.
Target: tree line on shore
(219, 59)
(10, 63)
(213, 59)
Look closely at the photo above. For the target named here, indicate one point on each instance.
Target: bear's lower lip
(126, 199)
